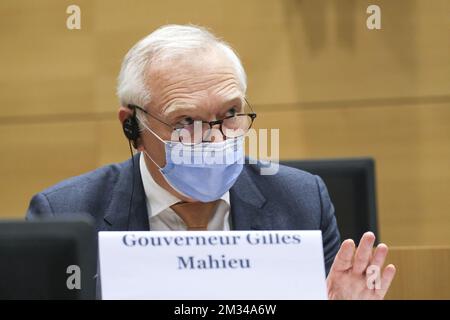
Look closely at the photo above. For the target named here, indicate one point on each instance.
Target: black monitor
(351, 185)
(42, 259)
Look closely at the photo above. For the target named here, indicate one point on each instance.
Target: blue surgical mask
(204, 171)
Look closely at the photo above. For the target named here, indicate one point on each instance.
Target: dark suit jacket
(290, 200)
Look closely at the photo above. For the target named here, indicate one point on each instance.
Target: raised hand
(348, 274)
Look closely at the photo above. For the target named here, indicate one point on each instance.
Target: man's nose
(213, 132)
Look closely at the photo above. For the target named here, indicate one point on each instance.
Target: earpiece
(131, 128)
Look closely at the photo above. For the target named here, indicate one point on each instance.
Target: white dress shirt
(162, 217)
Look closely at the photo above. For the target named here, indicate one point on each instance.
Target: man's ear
(124, 113)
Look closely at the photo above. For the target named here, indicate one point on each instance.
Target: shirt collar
(158, 198)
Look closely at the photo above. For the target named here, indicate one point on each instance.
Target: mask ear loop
(147, 128)
(157, 165)
(145, 152)
(158, 137)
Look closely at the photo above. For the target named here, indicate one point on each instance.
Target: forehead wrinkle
(191, 69)
(203, 82)
(184, 93)
(177, 106)
(225, 91)
(175, 91)
(182, 99)
(221, 89)
(190, 79)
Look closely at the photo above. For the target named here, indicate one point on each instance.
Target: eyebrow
(181, 106)
(177, 105)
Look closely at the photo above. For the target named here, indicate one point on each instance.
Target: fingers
(379, 255)
(387, 277)
(343, 259)
(386, 280)
(363, 253)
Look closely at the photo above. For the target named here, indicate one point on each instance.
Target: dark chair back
(351, 185)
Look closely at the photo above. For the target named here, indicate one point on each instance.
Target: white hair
(164, 43)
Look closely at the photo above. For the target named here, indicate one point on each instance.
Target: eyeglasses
(197, 131)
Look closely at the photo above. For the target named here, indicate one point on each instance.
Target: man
(173, 81)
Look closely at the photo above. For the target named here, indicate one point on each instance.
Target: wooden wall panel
(314, 71)
(45, 68)
(113, 146)
(422, 273)
(294, 51)
(411, 146)
(36, 156)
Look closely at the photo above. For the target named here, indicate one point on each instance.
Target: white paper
(211, 265)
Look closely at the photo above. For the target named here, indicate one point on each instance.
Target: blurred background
(333, 87)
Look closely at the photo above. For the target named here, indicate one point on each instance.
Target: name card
(210, 265)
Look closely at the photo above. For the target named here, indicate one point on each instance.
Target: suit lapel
(248, 205)
(116, 217)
